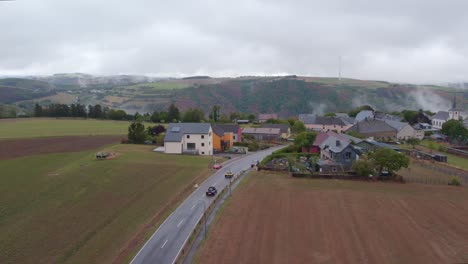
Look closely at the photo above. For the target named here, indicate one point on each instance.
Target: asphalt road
(166, 243)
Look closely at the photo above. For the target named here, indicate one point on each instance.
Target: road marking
(164, 244)
(181, 221)
(215, 183)
(193, 206)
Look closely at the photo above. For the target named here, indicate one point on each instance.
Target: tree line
(80, 110)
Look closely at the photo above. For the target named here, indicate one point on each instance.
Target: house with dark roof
(262, 118)
(189, 138)
(285, 129)
(337, 155)
(326, 123)
(374, 128)
(224, 136)
(369, 145)
(262, 133)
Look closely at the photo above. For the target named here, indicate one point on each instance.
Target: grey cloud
(405, 41)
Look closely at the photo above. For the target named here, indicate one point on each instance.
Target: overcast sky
(400, 40)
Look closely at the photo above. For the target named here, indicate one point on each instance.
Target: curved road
(166, 243)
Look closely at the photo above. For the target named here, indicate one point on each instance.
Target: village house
(363, 115)
(377, 129)
(189, 138)
(285, 129)
(452, 114)
(225, 135)
(262, 118)
(337, 155)
(263, 134)
(404, 130)
(321, 137)
(370, 145)
(325, 123)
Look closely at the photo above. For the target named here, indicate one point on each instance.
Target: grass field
(50, 127)
(273, 218)
(428, 146)
(70, 208)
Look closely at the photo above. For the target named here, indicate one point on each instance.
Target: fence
(458, 152)
(434, 173)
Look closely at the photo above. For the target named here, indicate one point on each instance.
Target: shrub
(455, 182)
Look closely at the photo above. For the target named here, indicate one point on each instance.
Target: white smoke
(318, 109)
(428, 100)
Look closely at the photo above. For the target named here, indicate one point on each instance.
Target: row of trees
(79, 110)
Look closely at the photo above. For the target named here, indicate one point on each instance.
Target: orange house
(220, 143)
(224, 136)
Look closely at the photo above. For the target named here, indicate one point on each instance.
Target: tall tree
(215, 113)
(136, 132)
(390, 160)
(38, 110)
(455, 130)
(173, 113)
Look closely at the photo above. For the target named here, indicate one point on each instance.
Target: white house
(190, 138)
(405, 130)
(443, 116)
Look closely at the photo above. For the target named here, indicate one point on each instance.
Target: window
(191, 146)
(202, 136)
(203, 153)
(348, 155)
(202, 144)
(209, 143)
(188, 136)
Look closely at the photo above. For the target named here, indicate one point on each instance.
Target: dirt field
(272, 218)
(15, 148)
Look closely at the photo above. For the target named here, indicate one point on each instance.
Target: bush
(455, 182)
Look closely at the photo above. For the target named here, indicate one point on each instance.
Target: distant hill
(284, 95)
(16, 89)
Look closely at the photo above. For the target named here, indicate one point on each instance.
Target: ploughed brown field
(272, 218)
(15, 148)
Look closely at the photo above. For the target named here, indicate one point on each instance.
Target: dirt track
(15, 148)
(276, 219)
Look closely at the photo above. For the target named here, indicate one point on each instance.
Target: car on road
(228, 175)
(217, 166)
(211, 191)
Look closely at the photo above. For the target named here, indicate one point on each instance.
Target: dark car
(211, 191)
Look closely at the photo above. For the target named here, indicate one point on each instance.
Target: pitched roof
(380, 144)
(175, 131)
(321, 137)
(334, 144)
(267, 116)
(260, 130)
(364, 114)
(441, 115)
(396, 124)
(372, 126)
(283, 127)
(221, 129)
(385, 116)
(307, 118)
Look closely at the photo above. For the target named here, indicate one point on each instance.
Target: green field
(435, 147)
(50, 127)
(71, 208)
